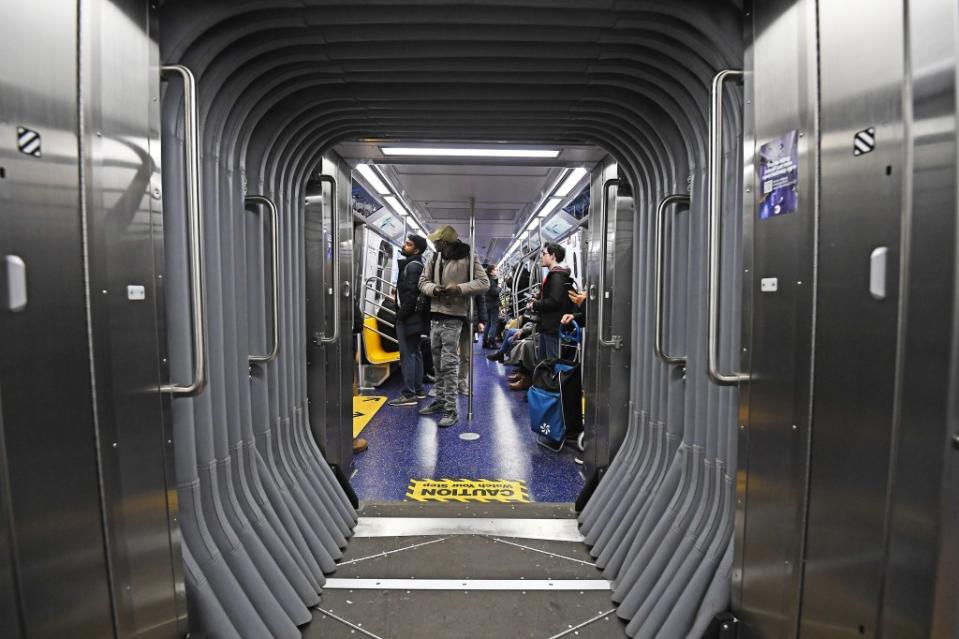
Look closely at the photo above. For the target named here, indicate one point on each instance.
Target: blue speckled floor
(405, 445)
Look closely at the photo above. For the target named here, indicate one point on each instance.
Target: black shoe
(576, 442)
(496, 357)
(434, 407)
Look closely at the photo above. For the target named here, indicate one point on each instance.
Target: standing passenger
(446, 280)
(553, 300)
(492, 307)
(410, 323)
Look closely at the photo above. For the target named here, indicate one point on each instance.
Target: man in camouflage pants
(446, 281)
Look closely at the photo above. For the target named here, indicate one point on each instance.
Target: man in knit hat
(446, 281)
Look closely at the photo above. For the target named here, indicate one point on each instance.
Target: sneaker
(577, 461)
(432, 392)
(448, 419)
(545, 443)
(403, 400)
(422, 395)
(434, 407)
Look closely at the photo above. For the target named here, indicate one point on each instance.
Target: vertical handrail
(469, 322)
(275, 296)
(660, 265)
(616, 341)
(194, 210)
(335, 240)
(714, 209)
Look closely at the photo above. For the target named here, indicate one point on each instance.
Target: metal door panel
(125, 232)
(920, 535)
(856, 335)
(595, 357)
(331, 374)
(780, 89)
(47, 412)
(620, 312)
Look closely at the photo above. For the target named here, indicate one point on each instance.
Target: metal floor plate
(548, 529)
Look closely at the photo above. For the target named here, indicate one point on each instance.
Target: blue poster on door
(779, 176)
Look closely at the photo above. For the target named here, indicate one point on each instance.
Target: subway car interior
(504, 318)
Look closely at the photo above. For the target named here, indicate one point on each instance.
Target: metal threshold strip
(468, 584)
(545, 529)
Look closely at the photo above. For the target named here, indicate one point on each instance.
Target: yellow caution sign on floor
(482, 490)
(364, 407)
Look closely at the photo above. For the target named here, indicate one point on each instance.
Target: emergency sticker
(465, 490)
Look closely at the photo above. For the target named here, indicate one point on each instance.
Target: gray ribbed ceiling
(282, 81)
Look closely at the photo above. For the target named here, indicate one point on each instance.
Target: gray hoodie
(443, 272)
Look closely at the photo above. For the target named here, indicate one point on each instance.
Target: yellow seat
(373, 344)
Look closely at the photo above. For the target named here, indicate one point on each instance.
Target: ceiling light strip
(469, 153)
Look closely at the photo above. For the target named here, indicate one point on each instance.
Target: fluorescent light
(550, 205)
(472, 153)
(533, 224)
(574, 177)
(370, 175)
(396, 206)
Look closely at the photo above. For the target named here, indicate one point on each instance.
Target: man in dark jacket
(410, 323)
(492, 307)
(553, 302)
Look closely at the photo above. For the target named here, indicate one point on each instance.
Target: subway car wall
(778, 207)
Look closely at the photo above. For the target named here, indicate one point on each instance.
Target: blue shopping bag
(546, 415)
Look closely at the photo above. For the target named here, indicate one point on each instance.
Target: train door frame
(380, 285)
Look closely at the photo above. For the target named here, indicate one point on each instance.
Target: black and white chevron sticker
(864, 142)
(28, 141)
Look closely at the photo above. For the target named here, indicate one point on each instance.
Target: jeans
(548, 346)
(507, 341)
(411, 359)
(445, 341)
(492, 319)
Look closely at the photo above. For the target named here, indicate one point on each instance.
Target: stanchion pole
(469, 410)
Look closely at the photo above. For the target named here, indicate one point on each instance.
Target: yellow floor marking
(364, 407)
(481, 490)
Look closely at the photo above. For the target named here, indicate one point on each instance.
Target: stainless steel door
(857, 317)
(329, 289)
(606, 350)
(122, 200)
(48, 414)
(779, 257)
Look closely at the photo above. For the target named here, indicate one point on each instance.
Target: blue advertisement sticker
(778, 176)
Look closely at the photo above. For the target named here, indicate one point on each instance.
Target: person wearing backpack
(554, 301)
(446, 281)
(410, 323)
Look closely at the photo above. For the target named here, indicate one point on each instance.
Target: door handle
(715, 199)
(195, 233)
(270, 208)
(335, 239)
(616, 341)
(13, 285)
(668, 201)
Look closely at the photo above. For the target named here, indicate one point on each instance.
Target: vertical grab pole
(194, 210)
(660, 305)
(469, 399)
(714, 215)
